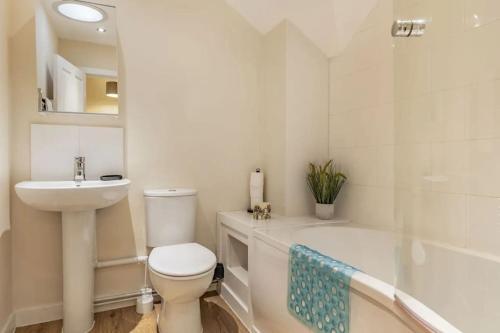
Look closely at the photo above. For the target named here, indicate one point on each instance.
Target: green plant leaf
(325, 182)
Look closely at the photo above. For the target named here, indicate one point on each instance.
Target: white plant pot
(325, 211)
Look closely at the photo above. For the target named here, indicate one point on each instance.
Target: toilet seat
(182, 260)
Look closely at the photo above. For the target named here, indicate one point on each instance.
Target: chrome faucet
(79, 174)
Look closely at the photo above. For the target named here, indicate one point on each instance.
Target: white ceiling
(82, 31)
(330, 24)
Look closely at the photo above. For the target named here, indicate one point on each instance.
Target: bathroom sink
(78, 202)
(71, 196)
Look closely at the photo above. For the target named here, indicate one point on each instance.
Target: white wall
(307, 118)
(361, 121)
(190, 113)
(294, 117)
(85, 54)
(192, 103)
(190, 110)
(273, 116)
(5, 234)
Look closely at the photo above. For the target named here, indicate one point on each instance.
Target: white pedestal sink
(78, 203)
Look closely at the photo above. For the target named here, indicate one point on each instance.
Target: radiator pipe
(122, 261)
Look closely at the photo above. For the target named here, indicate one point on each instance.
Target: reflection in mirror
(77, 62)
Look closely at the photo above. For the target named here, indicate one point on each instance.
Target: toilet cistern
(180, 269)
(79, 174)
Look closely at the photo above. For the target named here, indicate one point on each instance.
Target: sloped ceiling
(330, 24)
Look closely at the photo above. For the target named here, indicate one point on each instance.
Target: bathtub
(374, 308)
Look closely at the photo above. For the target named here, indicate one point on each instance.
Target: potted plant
(325, 183)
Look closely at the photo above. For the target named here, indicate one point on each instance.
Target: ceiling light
(112, 89)
(80, 11)
(101, 30)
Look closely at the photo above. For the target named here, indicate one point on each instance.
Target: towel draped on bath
(318, 290)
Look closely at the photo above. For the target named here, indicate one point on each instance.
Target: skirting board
(51, 312)
(38, 314)
(10, 325)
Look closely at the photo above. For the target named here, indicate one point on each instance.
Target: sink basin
(70, 196)
(78, 203)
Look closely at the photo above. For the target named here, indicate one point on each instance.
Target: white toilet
(180, 270)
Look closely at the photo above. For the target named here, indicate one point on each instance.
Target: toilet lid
(182, 259)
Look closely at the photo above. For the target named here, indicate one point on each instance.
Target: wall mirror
(77, 59)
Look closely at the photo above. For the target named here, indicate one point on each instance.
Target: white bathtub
(373, 306)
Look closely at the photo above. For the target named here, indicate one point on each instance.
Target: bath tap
(79, 174)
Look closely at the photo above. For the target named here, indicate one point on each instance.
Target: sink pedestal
(78, 202)
(79, 258)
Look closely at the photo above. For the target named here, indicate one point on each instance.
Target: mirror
(77, 60)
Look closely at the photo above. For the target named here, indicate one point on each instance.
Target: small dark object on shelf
(111, 177)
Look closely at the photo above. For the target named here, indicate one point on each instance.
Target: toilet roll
(256, 188)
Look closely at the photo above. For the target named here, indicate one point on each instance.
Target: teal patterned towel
(318, 290)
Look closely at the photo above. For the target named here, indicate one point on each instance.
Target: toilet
(180, 269)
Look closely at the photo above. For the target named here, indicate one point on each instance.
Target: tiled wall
(361, 121)
(54, 147)
(294, 117)
(448, 123)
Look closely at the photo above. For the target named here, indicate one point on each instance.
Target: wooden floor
(216, 318)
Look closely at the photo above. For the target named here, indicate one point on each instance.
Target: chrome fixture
(79, 174)
(408, 28)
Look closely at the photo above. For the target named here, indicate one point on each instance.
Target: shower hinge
(409, 28)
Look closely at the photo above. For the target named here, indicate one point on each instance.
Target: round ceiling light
(80, 11)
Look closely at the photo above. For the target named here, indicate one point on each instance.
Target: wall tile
(384, 124)
(53, 149)
(359, 55)
(446, 18)
(484, 224)
(412, 68)
(103, 150)
(343, 130)
(366, 88)
(449, 63)
(433, 117)
(483, 113)
(413, 163)
(366, 205)
(484, 159)
(385, 166)
(376, 207)
(359, 164)
(450, 167)
(481, 12)
(402, 122)
(449, 113)
(347, 202)
(440, 217)
(482, 53)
